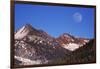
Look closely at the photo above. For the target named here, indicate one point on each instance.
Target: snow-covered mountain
(70, 42)
(21, 33)
(34, 46)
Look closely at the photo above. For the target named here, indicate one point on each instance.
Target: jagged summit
(66, 34)
(21, 33)
(28, 26)
(29, 30)
(70, 42)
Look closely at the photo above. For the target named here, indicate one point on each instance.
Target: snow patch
(71, 46)
(86, 41)
(21, 33)
(26, 61)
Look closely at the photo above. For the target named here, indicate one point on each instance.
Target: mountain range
(36, 47)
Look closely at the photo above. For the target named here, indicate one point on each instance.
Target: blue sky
(56, 20)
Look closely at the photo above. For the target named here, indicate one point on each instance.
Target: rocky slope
(70, 42)
(34, 46)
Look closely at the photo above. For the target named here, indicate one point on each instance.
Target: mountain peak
(66, 35)
(28, 26)
(23, 31)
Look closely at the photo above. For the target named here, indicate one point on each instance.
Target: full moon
(77, 17)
